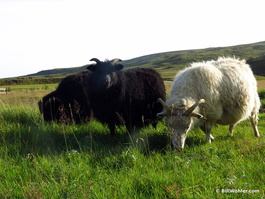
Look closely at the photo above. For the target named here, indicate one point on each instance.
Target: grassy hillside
(60, 72)
(167, 63)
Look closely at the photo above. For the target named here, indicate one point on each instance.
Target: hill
(168, 63)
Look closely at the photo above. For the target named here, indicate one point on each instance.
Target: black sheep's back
(133, 99)
(145, 86)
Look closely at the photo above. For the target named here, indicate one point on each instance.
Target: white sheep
(207, 93)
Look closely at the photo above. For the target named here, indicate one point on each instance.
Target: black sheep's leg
(154, 124)
(112, 129)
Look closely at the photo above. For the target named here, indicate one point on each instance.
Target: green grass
(34, 87)
(40, 160)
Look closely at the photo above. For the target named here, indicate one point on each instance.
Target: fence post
(3, 91)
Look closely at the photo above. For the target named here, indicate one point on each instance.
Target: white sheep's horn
(191, 109)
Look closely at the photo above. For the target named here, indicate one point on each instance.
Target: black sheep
(69, 102)
(125, 97)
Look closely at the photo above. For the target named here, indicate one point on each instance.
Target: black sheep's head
(104, 72)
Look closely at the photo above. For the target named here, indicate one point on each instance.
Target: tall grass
(52, 160)
(58, 161)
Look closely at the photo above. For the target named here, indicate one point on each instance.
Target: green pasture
(29, 88)
(39, 160)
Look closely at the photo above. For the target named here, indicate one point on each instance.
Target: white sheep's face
(179, 125)
(179, 121)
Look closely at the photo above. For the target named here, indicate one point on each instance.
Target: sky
(39, 35)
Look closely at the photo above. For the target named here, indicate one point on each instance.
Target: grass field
(40, 160)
